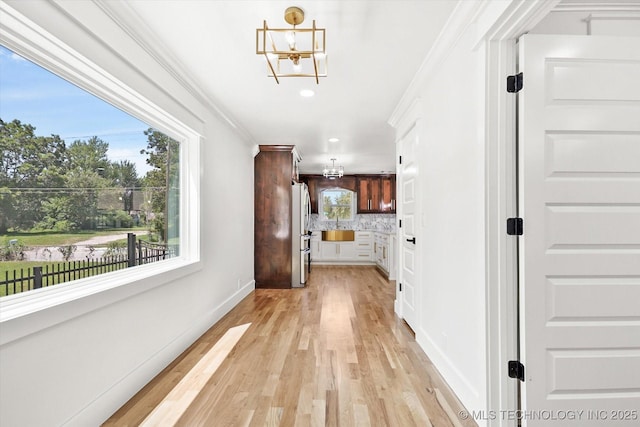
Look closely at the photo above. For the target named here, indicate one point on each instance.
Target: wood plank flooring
(330, 354)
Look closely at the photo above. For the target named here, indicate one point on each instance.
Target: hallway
(332, 353)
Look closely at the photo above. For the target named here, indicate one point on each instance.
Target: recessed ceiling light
(333, 140)
(307, 93)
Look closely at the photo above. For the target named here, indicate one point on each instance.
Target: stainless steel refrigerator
(300, 233)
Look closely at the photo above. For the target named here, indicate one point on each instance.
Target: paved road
(51, 253)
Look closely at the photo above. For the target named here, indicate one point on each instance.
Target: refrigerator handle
(307, 226)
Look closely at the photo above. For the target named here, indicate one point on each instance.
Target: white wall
(452, 224)
(447, 98)
(451, 316)
(79, 371)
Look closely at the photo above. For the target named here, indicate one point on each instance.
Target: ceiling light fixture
(307, 93)
(333, 172)
(293, 52)
(334, 140)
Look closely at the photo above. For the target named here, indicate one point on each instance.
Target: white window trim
(29, 312)
(321, 215)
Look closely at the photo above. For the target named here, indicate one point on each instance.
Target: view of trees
(163, 153)
(337, 204)
(46, 184)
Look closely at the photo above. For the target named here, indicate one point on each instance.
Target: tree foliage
(89, 155)
(337, 204)
(48, 185)
(30, 165)
(164, 156)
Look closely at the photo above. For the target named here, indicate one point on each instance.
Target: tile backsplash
(377, 222)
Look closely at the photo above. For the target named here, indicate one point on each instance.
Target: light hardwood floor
(332, 353)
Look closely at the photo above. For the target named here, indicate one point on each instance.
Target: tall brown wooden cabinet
(274, 170)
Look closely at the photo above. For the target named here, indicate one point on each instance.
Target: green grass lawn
(53, 238)
(33, 239)
(10, 266)
(7, 269)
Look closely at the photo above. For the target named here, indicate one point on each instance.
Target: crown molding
(598, 6)
(461, 17)
(514, 19)
(125, 17)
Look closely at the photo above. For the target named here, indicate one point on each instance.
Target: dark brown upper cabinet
(368, 194)
(388, 194)
(317, 183)
(375, 193)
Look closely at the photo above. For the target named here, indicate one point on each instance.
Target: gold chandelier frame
(266, 46)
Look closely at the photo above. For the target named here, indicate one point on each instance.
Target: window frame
(321, 214)
(29, 312)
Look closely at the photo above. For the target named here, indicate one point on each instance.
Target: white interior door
(409, 278)
(579, 169)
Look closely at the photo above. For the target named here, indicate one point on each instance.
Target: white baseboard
(112, 399)
(459, 384)
(356, 263)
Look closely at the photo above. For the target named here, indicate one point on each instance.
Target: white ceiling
(374, 49)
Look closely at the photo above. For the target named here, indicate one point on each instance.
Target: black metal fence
(138, 252)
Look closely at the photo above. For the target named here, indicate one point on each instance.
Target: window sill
(27, 313)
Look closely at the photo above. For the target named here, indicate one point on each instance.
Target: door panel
(579, 136)
(410, 276)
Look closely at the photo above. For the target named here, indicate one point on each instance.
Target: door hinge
(400, 286)
(400, 223)
(516, 370)
(400, 160)
(515, 227)
(514, 83)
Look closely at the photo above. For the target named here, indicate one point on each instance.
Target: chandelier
(293, 52)
(333, 172)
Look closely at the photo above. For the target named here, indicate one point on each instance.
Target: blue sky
(35, 96)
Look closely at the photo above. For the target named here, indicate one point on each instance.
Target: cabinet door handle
(412, 240)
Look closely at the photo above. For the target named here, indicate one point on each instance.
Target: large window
(337, 204)
(85, 188)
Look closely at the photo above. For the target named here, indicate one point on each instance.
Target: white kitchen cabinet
(316, 242)
(393, 257)
(359, 251)
(337, 251)
(381, 251)
(363, 246)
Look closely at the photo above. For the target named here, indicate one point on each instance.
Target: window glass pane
(337, 204)
(85, 188)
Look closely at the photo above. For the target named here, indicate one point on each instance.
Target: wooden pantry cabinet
(274, 171)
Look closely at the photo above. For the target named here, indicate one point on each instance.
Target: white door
(409, 277)
(579, 169)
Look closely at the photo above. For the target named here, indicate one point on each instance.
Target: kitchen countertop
(389, 232)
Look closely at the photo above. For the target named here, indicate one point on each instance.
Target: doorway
(589, 188)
